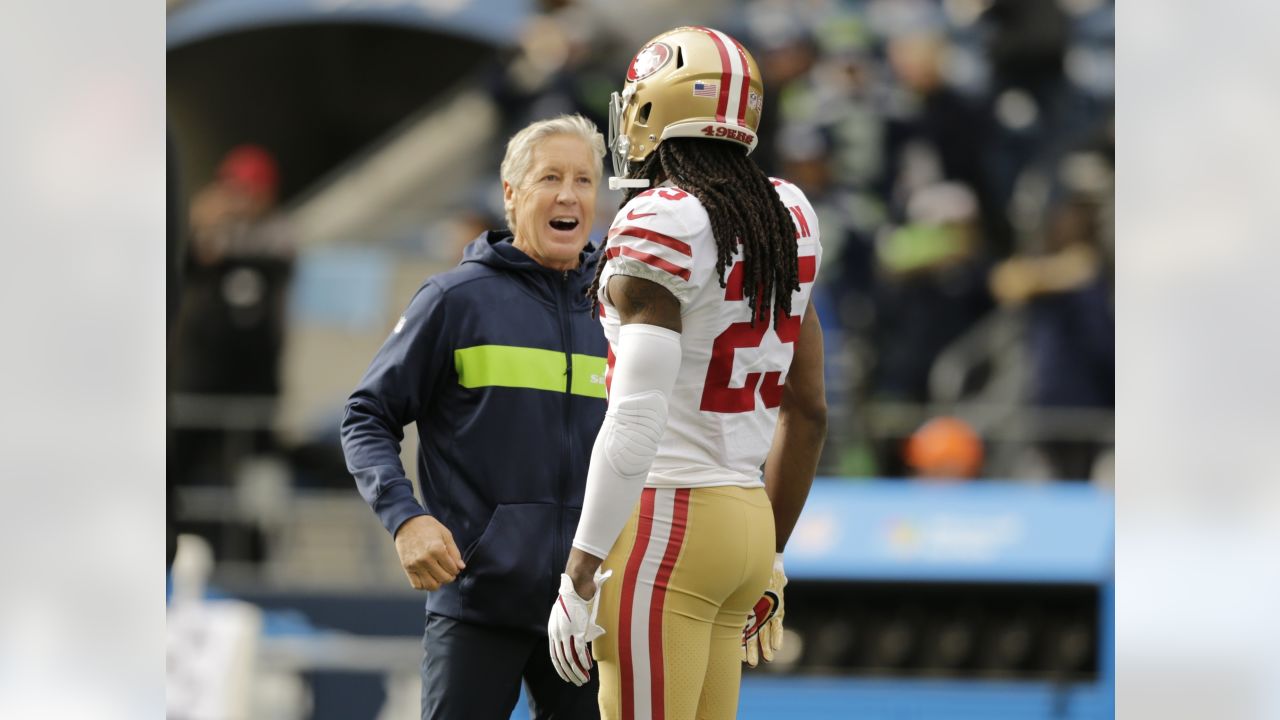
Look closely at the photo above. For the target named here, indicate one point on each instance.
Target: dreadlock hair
(744, 209)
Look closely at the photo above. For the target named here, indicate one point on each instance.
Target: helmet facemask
(619, 143)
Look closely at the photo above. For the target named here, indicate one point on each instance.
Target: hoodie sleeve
(391, 394)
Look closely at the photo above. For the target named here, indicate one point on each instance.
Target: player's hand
(571, 626)
(762, 635)
(428, 553)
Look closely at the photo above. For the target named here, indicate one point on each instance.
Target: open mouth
(564, 224)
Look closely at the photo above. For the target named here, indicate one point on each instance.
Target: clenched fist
(427, 553)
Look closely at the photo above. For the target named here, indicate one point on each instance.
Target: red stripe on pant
(678, 522)
(643, 531)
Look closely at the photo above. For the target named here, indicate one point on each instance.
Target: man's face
(555, 204)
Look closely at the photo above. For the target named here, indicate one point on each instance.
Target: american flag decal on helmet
(707, 90)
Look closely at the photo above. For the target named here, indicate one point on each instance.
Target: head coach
(501, 365)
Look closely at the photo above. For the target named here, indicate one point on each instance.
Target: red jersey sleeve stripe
(648, 259)
(638, 233)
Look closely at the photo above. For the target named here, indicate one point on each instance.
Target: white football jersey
(722, 414)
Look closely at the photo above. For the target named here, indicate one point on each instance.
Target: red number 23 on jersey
(717, 396)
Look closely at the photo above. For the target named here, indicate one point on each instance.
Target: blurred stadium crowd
(960, 154)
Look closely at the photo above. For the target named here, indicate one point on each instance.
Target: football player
(715, 368)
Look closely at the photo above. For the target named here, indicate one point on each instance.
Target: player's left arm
(801, 432)
(788, 474)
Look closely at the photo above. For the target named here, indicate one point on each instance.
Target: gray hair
(515, 165)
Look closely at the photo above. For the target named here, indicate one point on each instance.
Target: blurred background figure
(929, 291)
(935, 131)
(929, 288)
(231, 321)
(232, 326)
(1066, 285)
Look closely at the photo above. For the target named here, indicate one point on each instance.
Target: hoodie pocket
(509, 578)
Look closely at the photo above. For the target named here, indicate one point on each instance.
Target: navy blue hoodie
(501, 365)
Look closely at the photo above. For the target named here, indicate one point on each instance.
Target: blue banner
(973, 532)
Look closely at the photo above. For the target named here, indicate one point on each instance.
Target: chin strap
(617, 183)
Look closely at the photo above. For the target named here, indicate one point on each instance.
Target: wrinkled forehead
(565, 154)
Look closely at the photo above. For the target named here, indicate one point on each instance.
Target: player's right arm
(648, 266)
(649, 270)
(801, 432)
(644, 375)
(648, 361)
(390, 396)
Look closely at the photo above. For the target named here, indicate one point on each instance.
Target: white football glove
(763, 632)
(571, 626)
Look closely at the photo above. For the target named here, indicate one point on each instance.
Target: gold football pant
(687, 570)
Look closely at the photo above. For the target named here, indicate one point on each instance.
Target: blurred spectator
(563, 66)
(935, 132)
(944, 448)
(1071, 331)
(1026, 43)
(805, 153)
(930, 289)
(1031, 102)
(829, 140)
(230, 327)
(781, 40)
(1067, 288)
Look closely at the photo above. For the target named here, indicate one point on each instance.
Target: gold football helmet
(686, 82)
